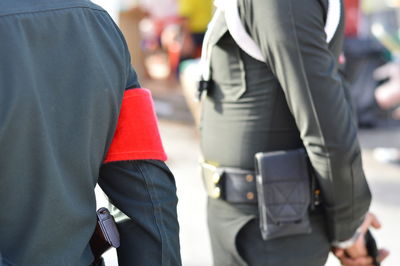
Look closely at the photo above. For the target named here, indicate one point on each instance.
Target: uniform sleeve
(132, 80)
(291, 36)
(140, 187)
(143, 195)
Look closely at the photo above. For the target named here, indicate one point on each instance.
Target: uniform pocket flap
(286, 201)
(283, 188)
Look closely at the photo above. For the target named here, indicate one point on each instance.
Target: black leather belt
(230, 184)
(236, 185)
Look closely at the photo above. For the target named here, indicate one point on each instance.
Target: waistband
(233, 185)
(236, 185)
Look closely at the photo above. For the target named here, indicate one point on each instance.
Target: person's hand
(357, 254)
(364, 260)
(345, 260)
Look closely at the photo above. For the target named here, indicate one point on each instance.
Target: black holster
(284, 193)
(104, 237)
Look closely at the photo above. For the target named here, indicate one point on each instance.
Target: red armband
(137, 136)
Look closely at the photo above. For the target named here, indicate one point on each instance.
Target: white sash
(229, 8)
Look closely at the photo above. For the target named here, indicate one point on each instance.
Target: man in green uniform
(72, 114)
(293, 98)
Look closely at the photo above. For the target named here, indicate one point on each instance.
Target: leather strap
(233, 185)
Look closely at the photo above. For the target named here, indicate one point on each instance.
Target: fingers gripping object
(372, 248)
(137, 136)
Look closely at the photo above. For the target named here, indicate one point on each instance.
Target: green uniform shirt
(296, 98)
(64, 68)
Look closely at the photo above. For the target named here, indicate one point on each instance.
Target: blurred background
(164, 39)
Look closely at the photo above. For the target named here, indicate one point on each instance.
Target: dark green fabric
(296, 98)
(303, 249)
(143, 195)
(63, 71)
(236, 239)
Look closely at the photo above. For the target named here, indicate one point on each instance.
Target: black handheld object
(372, 248)
(202, 86)
(105, 235)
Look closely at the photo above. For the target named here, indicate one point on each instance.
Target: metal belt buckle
(212, 177)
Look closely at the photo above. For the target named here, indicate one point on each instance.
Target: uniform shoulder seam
(42, 9)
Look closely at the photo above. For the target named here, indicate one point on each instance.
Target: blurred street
(181, 143)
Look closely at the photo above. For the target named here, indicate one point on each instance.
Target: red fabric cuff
(137, 136)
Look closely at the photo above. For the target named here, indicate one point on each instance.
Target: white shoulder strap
(332, 19)
(230, 10)
(205, 60)
(238, 32)
(247, 44)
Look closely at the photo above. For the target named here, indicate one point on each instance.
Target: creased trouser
(236, 239)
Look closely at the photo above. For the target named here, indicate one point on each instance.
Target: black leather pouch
(105, 236)
(283, 189)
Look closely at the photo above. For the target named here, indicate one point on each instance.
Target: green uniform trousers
(236, 239)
